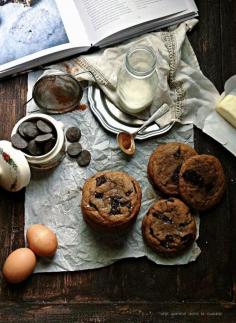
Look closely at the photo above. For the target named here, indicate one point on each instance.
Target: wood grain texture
(137, 290)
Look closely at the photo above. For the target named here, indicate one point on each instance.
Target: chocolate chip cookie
(110, 200)
(202, 181)
(165, 163)
(169, 228)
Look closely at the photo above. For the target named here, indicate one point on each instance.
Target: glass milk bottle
(137, 80)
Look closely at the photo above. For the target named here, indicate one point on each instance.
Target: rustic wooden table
(137, 290)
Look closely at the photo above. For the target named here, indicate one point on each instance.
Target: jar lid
(14, 168)
(57, 92)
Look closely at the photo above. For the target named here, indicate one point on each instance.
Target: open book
(36, 32)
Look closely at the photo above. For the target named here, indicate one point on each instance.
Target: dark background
(137, 290)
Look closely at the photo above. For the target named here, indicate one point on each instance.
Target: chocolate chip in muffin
(98, 195)
(193, 177)
(100, 180)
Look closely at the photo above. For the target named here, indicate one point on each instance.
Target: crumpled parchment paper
(54, 199)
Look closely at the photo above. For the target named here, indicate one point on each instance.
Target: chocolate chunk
(162, 217)
(21, 127)
(175, 175)
(177, 154)
(29, 130)
(93, 205)
(187, 238)
(19, 142)
(49, 145)
(126, 204)
(43, 138)
(115, 204)
(209, 186)
(184, 224)
(193, 177)
(98, 195)
(73, 134)
(128, 193)
(168, 240)
(74, 149)
(34, 149)
(84, 158)
(100, 180)
(43, 126)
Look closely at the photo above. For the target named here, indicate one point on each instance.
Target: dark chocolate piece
(193, 177)
(49, 145)
(73, 134)
(84, 158)
(29, 130)
(41, 139)
(43, 126)
(100, 180)
(34, 149)
(19, 142)
(74, 149)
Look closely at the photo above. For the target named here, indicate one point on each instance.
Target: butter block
(227, 109)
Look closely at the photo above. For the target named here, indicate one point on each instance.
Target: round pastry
(169, 228)
(165, 163)
(110, 200)
(202, 181)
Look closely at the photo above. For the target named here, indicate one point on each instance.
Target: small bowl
(56, 154)
(57, 92)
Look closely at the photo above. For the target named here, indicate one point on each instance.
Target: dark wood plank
(228, 37)
(12, 98)
(137, 290)
(206, 40)
(210, 276)
(120, 312)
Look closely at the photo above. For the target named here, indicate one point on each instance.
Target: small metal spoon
(125, 140)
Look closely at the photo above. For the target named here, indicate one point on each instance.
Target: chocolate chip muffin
(164, 166)
(202, 181)
(169, 228)
(111, 200)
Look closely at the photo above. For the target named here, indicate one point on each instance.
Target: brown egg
(19, 265)
(42, 240)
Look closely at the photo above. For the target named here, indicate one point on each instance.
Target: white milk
(135, 95)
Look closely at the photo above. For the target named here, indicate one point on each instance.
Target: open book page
(31, 34)
(103, 18)
(73, 24)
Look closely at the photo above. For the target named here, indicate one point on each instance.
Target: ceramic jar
(14, 168)
(53, 157)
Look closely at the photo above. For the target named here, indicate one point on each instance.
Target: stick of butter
(227, 109)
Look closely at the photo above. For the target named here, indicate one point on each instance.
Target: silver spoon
(125, 140)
